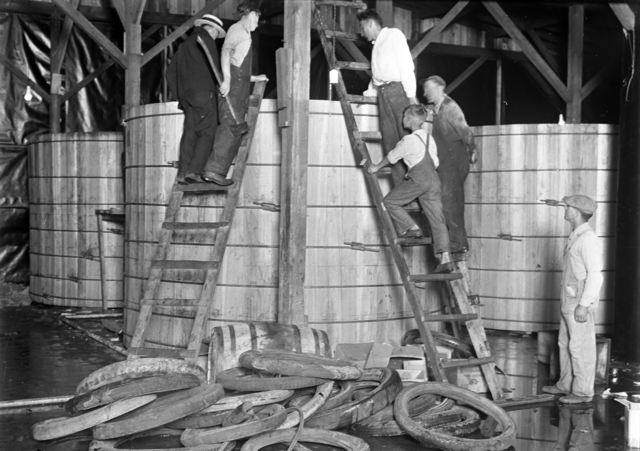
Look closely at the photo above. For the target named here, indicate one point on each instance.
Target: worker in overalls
(235, 88)
(456, 151)
(418, 151)
(581, 282)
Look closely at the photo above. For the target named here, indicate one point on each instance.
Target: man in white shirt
(581, 282)
(421, 182)
(393, 81)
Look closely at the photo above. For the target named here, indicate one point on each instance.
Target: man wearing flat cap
(190, 78)
(581, 282)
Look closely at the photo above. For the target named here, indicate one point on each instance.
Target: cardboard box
(472, 378)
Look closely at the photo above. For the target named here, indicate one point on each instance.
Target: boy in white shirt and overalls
(421, 182)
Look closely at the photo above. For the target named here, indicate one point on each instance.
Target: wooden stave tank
(70, 176)
(521, 279)
(380, 311)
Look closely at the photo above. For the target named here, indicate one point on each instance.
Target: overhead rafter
(58, 54)
(464, 75)
(120, 9)
(574, 62)
(544, 51)
(93, 32)
(503, 19)
(435, 31)
(598, 78)
(624, 14)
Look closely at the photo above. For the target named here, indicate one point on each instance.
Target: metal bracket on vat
(75, 279)
(507, 237)
(553, 202)
(269, 206)
(474, 299)
(116, 231)
(360, 247)
(173, 164)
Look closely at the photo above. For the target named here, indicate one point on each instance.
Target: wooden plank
(293, 169)
(202, 188)
(464, 75)
(352, 65)
(595, 81)
(368, 136)
(60, 50)
(86, 80)
(95, 34)
(503, 19)
(420, 278)
(120, 9)
(343, 3)
(176, 302)
(103, 275)
(451, 317)
(362, 100)
(134, 53)
(625, 15)
(498, 101)
(551, 60)
(574, 63)
(182, 29)
(184, 264)
(24, 78)
(343, 35)
(435, 31)
(162, 352)
(467, 362)
(525, 402)
(413, 241)
(193, 225)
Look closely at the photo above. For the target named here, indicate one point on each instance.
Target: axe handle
(217, 73)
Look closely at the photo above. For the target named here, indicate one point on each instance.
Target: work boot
(191, 177)
(212, 177)
(413, 232)
(575, 399)
(553, 390)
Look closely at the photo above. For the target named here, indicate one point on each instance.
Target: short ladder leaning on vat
(212, 267)
(457, 283)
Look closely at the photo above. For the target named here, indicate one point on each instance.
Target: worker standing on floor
(456, 151)
(235, 89)
(581, 282)
(418, 150)
(191, 80)
(393, 81)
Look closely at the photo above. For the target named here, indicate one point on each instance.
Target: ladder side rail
(360, 150)
(222, 235)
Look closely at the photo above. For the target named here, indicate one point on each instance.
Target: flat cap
(580, 202)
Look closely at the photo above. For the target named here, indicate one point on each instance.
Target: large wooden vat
(519, 281)
(355, 296)
(71, 175)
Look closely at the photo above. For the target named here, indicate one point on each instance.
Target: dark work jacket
(189, 71)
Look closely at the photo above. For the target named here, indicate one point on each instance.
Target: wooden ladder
(159, 263)
(456, 282)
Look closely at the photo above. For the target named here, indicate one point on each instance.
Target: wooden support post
(293, 172)
(574, 63)
(133, 48)
(385, 10)
(498, 92)
(54, 106)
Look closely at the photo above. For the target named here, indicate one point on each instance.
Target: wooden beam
(574, 63)
(56, 79)
(182, 29)
(624, 14)
(134, 9)
(59, 52)
(133, 39)
(544, 52)
(464, 75)
(598, 78)
(95, 34)
(293, 172)
(24, 78)
(435, 31)
(503, 19)
(498, 92)
(120, 9)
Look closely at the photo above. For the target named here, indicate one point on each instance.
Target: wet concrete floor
(42, 357)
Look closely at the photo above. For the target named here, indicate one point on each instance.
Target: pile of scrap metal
(273, 396)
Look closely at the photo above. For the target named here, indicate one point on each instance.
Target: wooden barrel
(71, 175)
(354, 296)
(229, 342)
(519, 281)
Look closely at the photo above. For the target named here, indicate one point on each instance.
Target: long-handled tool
(240, 128)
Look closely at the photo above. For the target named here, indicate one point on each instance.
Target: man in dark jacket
(191, 80)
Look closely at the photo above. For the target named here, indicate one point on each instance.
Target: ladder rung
(176, 302)
(413, 241)
(202, 188)
(452, 317)
(183, 264)
(384, 171)
(368, 136)
(193, 225)
(345, 3)
(342, 35)
(466, 362)
(163, 352)
(367, 100)
(435, 277)
(352, 65)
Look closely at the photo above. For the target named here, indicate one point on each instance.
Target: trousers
(392, 100)
(424, 185)
(200, 124)
(577, 342)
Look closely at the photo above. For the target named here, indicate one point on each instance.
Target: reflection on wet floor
(40, 357)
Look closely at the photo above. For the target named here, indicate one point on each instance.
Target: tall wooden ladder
(457, 284)
(160, 263)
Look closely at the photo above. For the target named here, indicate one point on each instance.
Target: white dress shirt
(391, 61)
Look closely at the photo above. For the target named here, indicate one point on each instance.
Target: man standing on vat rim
(236, 71)
(393, 81)
(191, 80)
(581, 282)
(456, 151)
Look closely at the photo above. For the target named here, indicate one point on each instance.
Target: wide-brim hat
(580, 202)
(211, 21)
